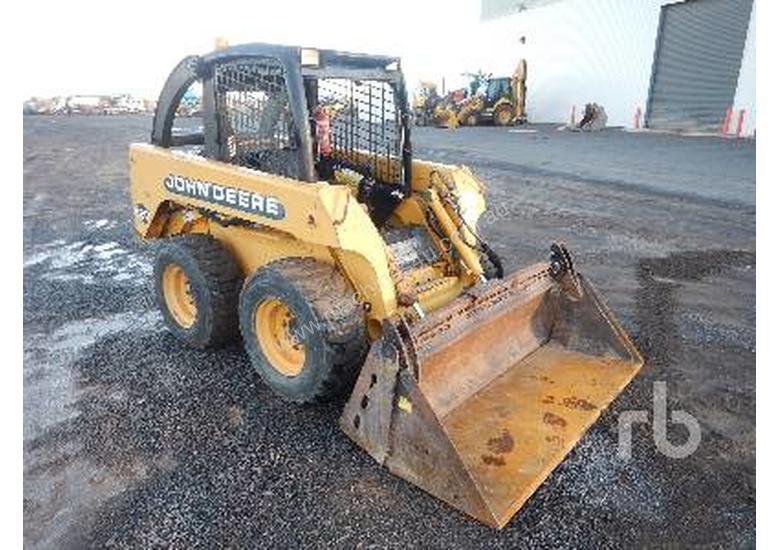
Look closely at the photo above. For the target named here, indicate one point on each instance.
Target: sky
(85, 47)
(101, 48)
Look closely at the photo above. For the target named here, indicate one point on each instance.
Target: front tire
(303, 329)
(197, 283)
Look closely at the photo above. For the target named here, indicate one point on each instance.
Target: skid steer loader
(295, 215)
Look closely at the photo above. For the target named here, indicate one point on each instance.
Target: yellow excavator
(496, 100)
(297, 218)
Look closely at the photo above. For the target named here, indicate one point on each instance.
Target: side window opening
(255, 124)
(187, 130)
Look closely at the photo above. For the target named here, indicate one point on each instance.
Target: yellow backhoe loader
(297, 217)
(497, 100)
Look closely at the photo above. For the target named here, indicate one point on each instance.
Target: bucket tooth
(480, 401)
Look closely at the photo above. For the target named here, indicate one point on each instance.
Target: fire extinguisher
(324, 164)
(322, 132)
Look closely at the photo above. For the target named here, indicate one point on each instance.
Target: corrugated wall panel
(697, 63)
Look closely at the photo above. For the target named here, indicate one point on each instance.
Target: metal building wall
(578, 51)
(745, 96)
(588, 50)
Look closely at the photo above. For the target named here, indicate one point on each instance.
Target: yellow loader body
(321, 220)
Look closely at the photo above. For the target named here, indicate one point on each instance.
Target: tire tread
(341, 318)
(223, 279)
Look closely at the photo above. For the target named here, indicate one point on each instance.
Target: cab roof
(327, 58)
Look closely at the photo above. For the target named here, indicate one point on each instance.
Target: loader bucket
(478, 402)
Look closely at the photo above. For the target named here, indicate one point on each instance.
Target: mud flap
(478, 402)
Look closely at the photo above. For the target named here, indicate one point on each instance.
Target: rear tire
(197, 283)
(502, 116)
(303, 329)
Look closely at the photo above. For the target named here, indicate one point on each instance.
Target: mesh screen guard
(365, 124)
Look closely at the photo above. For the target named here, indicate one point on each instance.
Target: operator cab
(497, 88)
(301, 113)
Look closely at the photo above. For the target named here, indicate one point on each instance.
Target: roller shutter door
(698, 56)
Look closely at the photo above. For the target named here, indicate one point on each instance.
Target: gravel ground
(133, 440)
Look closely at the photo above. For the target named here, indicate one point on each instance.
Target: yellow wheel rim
(274, 331)
(504, 117)
(178, 295)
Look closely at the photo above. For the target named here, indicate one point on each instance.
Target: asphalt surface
(698, 167)
(132, 439)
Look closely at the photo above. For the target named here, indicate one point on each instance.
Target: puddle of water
(660, 282)
(89, 263)
(99, 224)
(62, 483)
(49, 388)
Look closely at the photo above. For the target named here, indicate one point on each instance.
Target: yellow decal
(404, 404)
